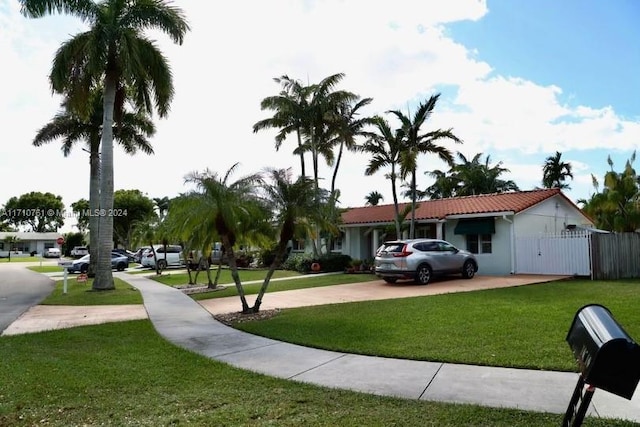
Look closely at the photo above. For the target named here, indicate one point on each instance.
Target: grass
(46, 268)
(126, 374)
(175, 279)
(82, 294)
(302, 282)
(522, 327)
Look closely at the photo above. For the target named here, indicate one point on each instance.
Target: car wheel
(423, 275)
(390, 279)
(468, 270)
(162, 264)
(84, 268)
(121, 266)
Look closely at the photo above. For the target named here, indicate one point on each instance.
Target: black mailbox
(608, 358)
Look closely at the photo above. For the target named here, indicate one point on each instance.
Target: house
(28, 242)
(489, 225)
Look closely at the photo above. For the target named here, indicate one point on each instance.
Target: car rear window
(391, 247)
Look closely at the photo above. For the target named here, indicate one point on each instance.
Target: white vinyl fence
(561, 253)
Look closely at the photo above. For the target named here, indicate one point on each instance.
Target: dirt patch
(230, 319)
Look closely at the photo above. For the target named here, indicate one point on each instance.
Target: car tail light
(402, 254)
(150, 255)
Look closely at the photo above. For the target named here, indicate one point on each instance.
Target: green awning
(476, 226)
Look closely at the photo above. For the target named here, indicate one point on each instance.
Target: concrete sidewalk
(185, 322)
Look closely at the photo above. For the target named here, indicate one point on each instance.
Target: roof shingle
(442, 208)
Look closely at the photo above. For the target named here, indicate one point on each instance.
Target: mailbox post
(607, 358)
(65, 265)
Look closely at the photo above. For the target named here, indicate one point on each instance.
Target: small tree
(11, 241)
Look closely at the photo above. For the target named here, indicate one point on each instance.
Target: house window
(297, 245)
(336, 243)
(479, 243)
(425, 232)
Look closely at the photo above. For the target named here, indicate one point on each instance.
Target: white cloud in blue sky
(519, 81)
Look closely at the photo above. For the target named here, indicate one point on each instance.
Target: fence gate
(561, 253)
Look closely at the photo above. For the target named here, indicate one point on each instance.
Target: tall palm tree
(385, 146)
(132, 133)
(555, 172)
(320, 113)
(373, 198)
(162, 204)
(444, 185)
(116, 53)
(221, 208)
(290, 202)
(416, 143)
(290, 107)
(347, 127)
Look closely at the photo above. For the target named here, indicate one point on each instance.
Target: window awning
(476, 226)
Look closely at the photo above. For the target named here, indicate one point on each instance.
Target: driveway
(20, 289)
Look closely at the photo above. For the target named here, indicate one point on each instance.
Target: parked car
(118, 262)
(126, 253)
(421, 259)
(137, 255)
(52, 253)
(172, 258)
(79, 251)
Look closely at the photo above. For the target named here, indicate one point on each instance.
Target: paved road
(20, 289)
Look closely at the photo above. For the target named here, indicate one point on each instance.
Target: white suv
(172, 258)
(421, 259)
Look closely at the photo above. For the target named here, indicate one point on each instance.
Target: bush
(328, 263)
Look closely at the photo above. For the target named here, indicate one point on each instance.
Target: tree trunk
(226, 242)
(412, 229)
(335, 170)
(94, 205)
(280, 252)
(302, 168)
(104, 275)
(215, 281)
(394, 193)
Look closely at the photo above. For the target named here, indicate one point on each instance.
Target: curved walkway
(185, 322)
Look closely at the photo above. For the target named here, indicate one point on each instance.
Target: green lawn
(46, 268)
(515, 327)
(81, 294)
(304, 281)
(126, 374)
(180, 278)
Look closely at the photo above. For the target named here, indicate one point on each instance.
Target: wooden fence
(615, 256)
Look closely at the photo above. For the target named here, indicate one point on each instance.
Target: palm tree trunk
(226, 242)
(104, 275)
(394, 193)
(281, 250)
(302, 168)
(94, 205)
(412, 229)
(215, 281)
(335, 169)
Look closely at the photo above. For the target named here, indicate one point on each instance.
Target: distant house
(487, 225)
(29, 242)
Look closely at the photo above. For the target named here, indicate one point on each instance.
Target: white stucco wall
(551, 216)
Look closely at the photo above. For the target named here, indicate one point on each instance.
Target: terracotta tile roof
(441, 208)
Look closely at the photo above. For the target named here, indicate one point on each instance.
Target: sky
(519, 80)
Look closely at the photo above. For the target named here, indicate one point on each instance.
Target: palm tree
(555, 172)
(384, 147)
(11, 241)
(219, 208)
(162, 204)
(291, 202)
(444, 185)
(115, 53)
(290, 107)
(473, 177)
(321, 113)
(131, 132)
(347, 127)
(373, 198)
(416, 143)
